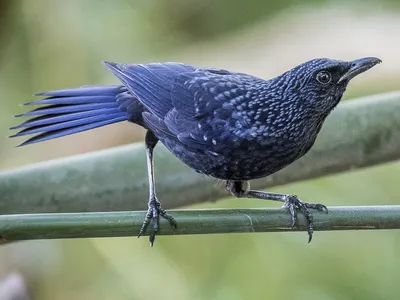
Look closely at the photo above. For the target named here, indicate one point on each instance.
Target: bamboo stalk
(205, 221)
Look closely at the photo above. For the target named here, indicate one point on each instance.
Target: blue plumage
(73, 100)
(83, 91)
(59, 118)
(71, 111)
(231, 126)
(154, 84)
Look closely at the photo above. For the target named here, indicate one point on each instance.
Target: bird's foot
(294, 204)
(153, 214)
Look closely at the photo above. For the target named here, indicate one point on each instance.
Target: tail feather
(66, 108)
(84, 91)
(59, 118)
(73, 100)
(71, 111)
(68, 124)
(63, 132)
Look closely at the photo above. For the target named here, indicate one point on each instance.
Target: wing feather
(184, 102)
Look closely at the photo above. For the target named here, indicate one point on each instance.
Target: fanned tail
(71, 111)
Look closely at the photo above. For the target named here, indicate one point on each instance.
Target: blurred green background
(56, 44)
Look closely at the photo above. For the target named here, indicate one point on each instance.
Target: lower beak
(359, 66)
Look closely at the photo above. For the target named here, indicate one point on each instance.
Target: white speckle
(212, 152)
(220, 97)
(226, 105)
(214, 141)
(199, 125)
(238, 124)
(205, 138)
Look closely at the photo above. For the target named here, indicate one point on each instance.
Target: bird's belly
(242, 163)
(253, 165)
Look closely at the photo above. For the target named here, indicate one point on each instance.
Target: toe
(322, 207)
(169, 218)
(173, 223)
(152, 238)
(294, 204)
(293, 215)
(153, 215)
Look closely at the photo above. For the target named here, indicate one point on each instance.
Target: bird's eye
(324, 77)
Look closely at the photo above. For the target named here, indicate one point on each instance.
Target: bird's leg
(241, 189)
(154, 211)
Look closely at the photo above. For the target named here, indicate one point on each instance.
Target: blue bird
(231, 126)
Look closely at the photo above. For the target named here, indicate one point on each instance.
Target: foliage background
(51, 44)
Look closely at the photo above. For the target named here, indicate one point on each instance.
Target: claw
(153, 214)
(170, 219)
(293, 214)
(294, 204)
(321, 207)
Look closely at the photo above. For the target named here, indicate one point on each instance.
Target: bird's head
(320, 83)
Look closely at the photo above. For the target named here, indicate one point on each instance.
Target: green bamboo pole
(359, 133)
(206, 221)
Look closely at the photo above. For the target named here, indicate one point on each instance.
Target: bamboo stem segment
(205, 221)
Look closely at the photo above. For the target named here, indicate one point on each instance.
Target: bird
(231, 126)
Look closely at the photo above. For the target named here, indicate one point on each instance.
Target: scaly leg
(154, 211)
(241, 189)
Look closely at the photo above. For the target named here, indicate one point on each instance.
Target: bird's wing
(188, 103)
(208, 119)
(150, 83)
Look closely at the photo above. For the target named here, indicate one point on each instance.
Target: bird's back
(223, 124)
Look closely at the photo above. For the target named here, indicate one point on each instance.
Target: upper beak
(359, 66)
